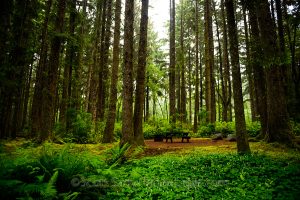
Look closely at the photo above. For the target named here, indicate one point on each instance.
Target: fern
(117, 155)
(70, 195)
(50, 190)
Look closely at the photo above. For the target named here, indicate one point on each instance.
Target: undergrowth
(82, 172)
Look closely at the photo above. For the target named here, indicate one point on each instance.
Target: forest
(150, 99)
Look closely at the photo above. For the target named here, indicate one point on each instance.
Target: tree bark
(40, 83)
(108, 136)
(141, 73)
(69, 64)
(196, 113)
(242, 138)
(182, 73)
(249, 70)
(278, 119)
(94, 69)
(103, 72)
(127, 115)
(49, 96)
(210, 98)
(227, 81)
(172, 95)
(258, 69)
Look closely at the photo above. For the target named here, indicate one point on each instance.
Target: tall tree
(111, 116)
(40, 79)
(172, 95)
(103, 72)
(256, 59)
(242, 139)
(93, 72)
(278, 119)
(141, 73)
(227, 81)
(249, 70)
(49, 100)
(210, 97)
(127, 113)
(16, 56)
(286, 69)
(69, 64)
(182, 69)
(220, 70)
(197, 68)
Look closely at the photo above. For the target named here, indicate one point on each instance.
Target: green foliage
(205, 131)
(79, 128)
(149, 131)
(253, 128)
(117, 154)
(207, 177)
(45, 173)
(161, 127)
(154, 128)
(225, 128)
(118, 130)
(296, 128)
(71, 173)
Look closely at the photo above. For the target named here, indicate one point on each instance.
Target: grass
(72, 171)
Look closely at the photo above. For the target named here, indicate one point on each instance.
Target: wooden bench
(184, 136)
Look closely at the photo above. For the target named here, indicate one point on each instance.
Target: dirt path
(157, 148)
(194, 142)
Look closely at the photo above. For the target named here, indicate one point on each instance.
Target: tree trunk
(127, 115)
(40, 84)
(5, 99)
(190, 86)
(141, 73)
(172, 97)
(103, 72)
(278, 120)
(147, 111)
(94, 69)
(227, 81)
(69, 64)
(108, 136)
(210, 98)
(49, 96)
(258, 70)
(182, 76)
(249, 70)
(286, 69)
(196, 113)
(242, 138)
(221, 79)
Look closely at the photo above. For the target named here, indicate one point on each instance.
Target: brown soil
(157, 148)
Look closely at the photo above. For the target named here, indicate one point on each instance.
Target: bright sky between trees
(159, 14)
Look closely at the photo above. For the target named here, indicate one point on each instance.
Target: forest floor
(200, 169)
(196, 145)
(157, 148)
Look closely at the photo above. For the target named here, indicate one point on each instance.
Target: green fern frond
(50, 190)
(70, 195)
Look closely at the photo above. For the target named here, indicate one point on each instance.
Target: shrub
(205, 131)
(118, 130)
(253, 128)
(149, 131)
(79, 127)
(296, 128)
(225, 128)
